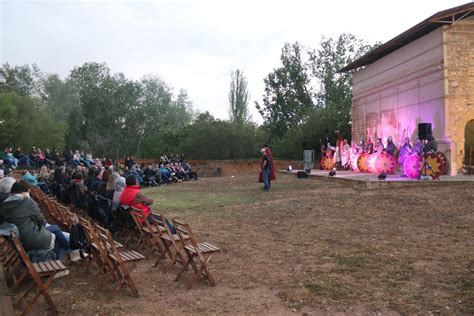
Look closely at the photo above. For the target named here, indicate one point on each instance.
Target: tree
(334, 94)
(238, 98)
(59, 96)
(105, 101)
(287, 99)
(23, 80)
(25, 122)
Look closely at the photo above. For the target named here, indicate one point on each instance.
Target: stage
(370, 180)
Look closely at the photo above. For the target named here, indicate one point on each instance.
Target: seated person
(28, 177)
(150, 176)
(119, 187)
(23, 159)
(165, 174)
(132, 196)
(5, 186)
(19, 209)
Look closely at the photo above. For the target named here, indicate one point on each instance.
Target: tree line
(304, 101)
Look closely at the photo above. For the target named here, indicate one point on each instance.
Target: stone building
(424, 75)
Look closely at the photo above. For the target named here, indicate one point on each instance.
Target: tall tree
(334, 94)
(287, 99)
(59, 96)
(238, 98)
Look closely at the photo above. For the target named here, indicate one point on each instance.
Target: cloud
(191, 44)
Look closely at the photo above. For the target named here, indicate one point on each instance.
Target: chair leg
(185, 266)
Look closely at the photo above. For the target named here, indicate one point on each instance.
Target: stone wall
(213, 168)
(459, 85)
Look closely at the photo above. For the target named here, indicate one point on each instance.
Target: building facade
(424, 75)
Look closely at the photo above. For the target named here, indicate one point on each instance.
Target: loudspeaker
(424, 131)
(301, 175)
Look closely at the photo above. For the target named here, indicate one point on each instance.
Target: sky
(192, 44)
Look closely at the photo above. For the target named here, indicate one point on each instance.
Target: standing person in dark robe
(265, 169)
(272, 171)
(390, 146)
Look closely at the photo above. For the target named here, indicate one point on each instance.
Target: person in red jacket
(132, 196)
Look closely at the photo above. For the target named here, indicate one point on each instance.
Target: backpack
(78, 239)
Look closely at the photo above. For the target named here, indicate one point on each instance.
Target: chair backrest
(24, 257)
(88, 229)
(108, 242)
(137, 216)
(183, 229)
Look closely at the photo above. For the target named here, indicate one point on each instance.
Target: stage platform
(370, 181)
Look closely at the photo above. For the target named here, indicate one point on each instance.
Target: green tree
(60, 96)
(23, 80)
(25, 122)
(334, 94)
(105, 100)
(238, 98)
(287, 99)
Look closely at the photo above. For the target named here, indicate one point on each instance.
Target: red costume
(272, 172)
(129, 197)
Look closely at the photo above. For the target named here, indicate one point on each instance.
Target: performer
(379, 148)
(346, 155)
(405, 151)
(418, 148)
(431, 146)
(265, 169)
(369, 148)
(269, 153)
(337, 156)
(390, 147)
(361, 147)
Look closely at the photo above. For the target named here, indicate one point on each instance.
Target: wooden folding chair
(47, 269)
(119, 259)
(149, 234)
(11, 262)
(199, 255)
(173, 247)
(97, 252)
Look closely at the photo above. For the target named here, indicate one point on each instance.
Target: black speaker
(301, 175)
(424, 131)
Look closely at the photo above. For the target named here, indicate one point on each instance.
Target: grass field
(306, 247)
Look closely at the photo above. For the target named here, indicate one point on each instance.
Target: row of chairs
(108, 254)
(175, 242)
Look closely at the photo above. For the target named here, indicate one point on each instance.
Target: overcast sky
(192, 44)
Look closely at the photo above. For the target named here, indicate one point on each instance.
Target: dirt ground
(307, 247)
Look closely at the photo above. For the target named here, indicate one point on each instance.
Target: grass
(202, 195)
